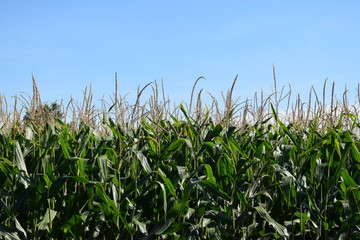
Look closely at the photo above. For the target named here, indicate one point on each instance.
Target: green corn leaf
(288, 188)
(141, 225)
(352, 186)
(8, 233)
(210, 174)
(56, 186)
(280, 229)
(161, 227)
(213, 190)
(223, 143)
(80, 179)
(81, 163)
(274, 113)
(185, 113)
(337, 147)
(83, 141)
(339, 166)
(175, 228)
(164, 197)
(128, 227)
(143, 161)
(20, 163)
(175, 146)
(29, 133)
(20, 229)
(143, 180)
(103, 164)
(164, 224)
(75, 225)
(64, 146)
(107, 204)
(304, 218)
(6, 172)
(316, 146)
(168, 183)
(47, 219)
(214, 132)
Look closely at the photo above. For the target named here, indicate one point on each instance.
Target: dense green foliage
(180, 179)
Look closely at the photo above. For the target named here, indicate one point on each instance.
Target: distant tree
(44, 113)
(54, 110)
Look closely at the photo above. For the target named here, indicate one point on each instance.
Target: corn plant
(141, 173)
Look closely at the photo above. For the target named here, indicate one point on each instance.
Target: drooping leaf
(168, 183)
(175, 146)
(8, 233)
(280, 229)
(143, 161)
(352, 186)
(47, 219)
(20, 163)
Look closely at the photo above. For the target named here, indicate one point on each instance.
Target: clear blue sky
(68, 45)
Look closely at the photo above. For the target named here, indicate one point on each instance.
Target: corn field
(250, 170)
